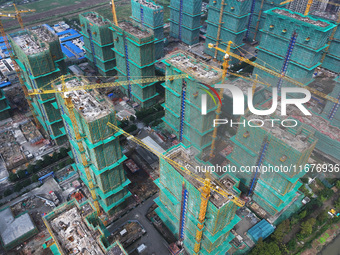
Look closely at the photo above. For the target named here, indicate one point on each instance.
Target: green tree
(34, 178)
(61, 165)
(26, 182)
(302, 214)
(63, 152)
(337, 184)
(56, 156)
(39, 165)
(8, 192)
(47, 160)
(281, 230)
(17, 187)
(30, 169)
(322, 217)
(307, 226)
(291, 244)
(12, 177)
(21, 174)
(337, 203)
(132, 118)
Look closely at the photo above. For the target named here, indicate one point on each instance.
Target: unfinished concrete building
(76, 228)
(41, 60)
(263, 147)
(183, 113)
(4, 106)
(98, 42)
(150, 14)
(100, 144)
(185, 20)
(135, 55)
(286, 36)
(332, 59)
(226, 22)
(179, 205)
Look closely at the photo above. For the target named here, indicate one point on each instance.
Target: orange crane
(114, 14)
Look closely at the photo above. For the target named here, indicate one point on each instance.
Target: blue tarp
(262, 229)
(75, 49)
(68, 31)
(68, 53)
(69, 38)
(5, 84)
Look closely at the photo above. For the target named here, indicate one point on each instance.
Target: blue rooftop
(262, 229)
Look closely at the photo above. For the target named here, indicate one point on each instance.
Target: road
(152, 239)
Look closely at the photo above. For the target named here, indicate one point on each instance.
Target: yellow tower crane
(114, 14)
(17, 14)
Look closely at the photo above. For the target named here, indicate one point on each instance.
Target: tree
(291, 244)
(337, 203)
(47, 160)
(307, 226)
(56, 156)
(322, 217)
(39, 165)
(21, 174)
(30, 169)
(337, 184)
(17, 187)
(12, 177)
(34, 178)
(26, 182)
(281, 230)
(132, 118)
(8, 192)
(303, 214)
(63, 152)
(61, 165)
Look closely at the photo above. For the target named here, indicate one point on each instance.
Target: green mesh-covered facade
(150, 14)
(4, 106)
(183, 115)
(41, 60)
(185, 20)
(233, 26)
(102, 149)
(332, 58)
(259, 17)
(306, 51)
(269, 147)
(135, 56)
(180, 212)
(98, 42)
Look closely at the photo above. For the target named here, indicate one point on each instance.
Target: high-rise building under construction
(182, 205)
(135, 55)
(98, 42)
(41, 60)
(256, 148)
(150, 14)
(4, 106)
(95, 147)
(183, 111)
(185, 20)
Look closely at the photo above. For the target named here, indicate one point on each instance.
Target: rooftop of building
(299, 142)
(149, 4)
(95, 18)
(301, 17)
(31, 40)
(134, 29)
(12, 228)
(241, 84)
(196, 68)
(90, 104)
(72, 233)
(186, 157)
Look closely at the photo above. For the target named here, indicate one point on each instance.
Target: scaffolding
(182, 105)
(98, 42)
(135, 55)
(99, 143)
(226, 22)
(179, 205)
(185, 20)
(286, 36)
(332, 58)
(4, 106)
(41, 60)
(150, 14)
(265, 147)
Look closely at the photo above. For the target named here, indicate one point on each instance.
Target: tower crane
(16, 14)
(114, 14)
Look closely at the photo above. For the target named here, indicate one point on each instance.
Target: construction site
(136, 100)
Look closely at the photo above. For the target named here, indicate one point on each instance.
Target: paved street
(152, 239)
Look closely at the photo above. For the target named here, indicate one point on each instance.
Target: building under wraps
(98, 42)
(185, 20)
(183, 115)
(291, 44)
(41, 60)
(76, 228)
(101, 145)
(150, 14)
(4, 106)
(332, 59)
(231, 28)
(135, 55)
(179, 205)
(260, 148)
